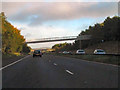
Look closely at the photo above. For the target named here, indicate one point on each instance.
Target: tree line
(109, 30)
(12, 40)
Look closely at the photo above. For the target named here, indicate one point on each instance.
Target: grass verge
(9, 58)
(96, 58)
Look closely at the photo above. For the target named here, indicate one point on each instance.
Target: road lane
(34, 73)
(50, 72)
(90, 72)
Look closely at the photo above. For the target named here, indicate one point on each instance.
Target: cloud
(37, 13)
(61, 0)
(27, 35)
(25, 14)
(37, 33)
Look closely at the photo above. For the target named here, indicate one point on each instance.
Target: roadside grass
(9, 58)
(110, 59)
(17, 54)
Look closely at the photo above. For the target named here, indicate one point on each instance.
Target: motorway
(59, 72)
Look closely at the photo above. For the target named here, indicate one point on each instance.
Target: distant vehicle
(99, 51)
(70, 52)
(59, 52)
(37, 53)
(80, 52)
(66, 52)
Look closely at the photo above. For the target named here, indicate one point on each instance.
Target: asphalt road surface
(59, 72)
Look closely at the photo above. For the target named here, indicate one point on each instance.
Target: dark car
(37, 53)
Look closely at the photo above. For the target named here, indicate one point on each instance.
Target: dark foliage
(12, 40)
(109, 30)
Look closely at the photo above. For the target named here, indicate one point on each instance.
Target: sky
(56, 19)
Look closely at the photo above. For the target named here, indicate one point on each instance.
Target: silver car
(80, 52)
(99, 51)
(66, 52)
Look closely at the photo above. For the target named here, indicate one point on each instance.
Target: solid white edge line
(69, 72)
(13, 63)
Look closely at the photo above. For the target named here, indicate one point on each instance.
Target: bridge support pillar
(80, 44)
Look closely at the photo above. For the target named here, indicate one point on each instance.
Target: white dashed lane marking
(55, 64)
(69, 72)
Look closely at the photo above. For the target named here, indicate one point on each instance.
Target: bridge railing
(82, 37)
(55, 38)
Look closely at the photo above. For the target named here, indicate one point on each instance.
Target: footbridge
(54, 39)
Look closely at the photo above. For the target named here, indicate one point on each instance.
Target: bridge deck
(53, 39)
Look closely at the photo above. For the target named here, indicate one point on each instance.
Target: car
(59, 52)
(37, 53)
(80, 52)
(99, 51)
(66, 52)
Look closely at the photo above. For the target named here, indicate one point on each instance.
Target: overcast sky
(56, 19)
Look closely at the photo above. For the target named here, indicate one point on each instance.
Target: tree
(26, 49)
(109, 30)
(12, 40)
